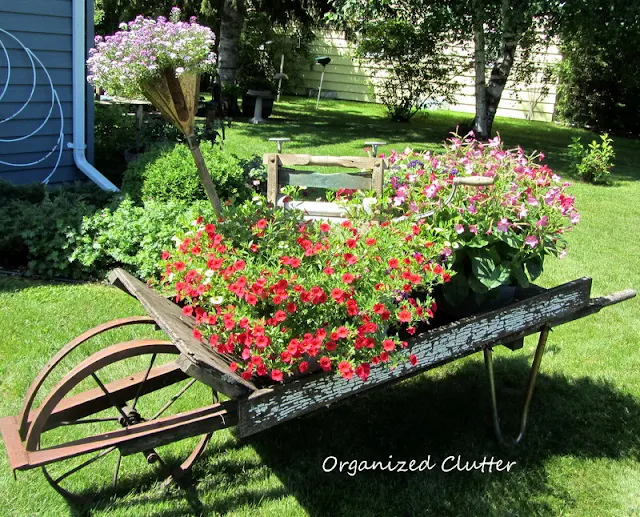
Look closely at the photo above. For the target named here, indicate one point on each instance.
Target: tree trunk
(514, 24)
(480, 123)
(229, 43)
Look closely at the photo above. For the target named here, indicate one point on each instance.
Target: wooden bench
(280, 173)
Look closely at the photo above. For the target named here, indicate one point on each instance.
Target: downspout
(79, 100)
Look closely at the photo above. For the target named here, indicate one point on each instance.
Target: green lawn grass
(582, 450)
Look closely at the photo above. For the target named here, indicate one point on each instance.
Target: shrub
(130, 236)
(115, 131)
(594, 163)
(35, 222)
(168, 174)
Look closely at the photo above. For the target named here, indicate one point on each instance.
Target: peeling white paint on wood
(431, 348)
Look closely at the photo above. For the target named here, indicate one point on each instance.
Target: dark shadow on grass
(422, 417)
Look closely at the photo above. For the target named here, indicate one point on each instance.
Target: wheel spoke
(117, 471)
(84, 464)
(110, 397)
(173, 399)
(90, 421)
(153, 358)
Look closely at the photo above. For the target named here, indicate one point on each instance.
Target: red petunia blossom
(324, 227)
(187, 310)
(292, 307)
(413, 359)
(404, 316)
(295, 262)
(251, 299)
(246, 375)
(262, 224)
(328, 270)
(351, 243)
(165, 255)
(379, 308)
(303, 366)
(280, 316)
(388, 345)
(393, 263)
(331, 346)
(363, 370)
(262, 342)
(348, 278)
(286, 356)
(325, 363)
(342, 332)
(345, 369)
(239, 265)
(179, 265)
(276, 375)
(233, 366)
(197, 334)
(370, 242)
(411, 330)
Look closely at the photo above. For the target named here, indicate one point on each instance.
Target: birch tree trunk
(514, 24)
(480, 123)
(229, 42)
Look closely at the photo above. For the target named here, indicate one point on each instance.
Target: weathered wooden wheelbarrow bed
(252, 408)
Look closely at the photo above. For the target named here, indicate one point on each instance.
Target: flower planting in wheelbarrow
(281, 294)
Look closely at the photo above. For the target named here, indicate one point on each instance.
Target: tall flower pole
(162, 61)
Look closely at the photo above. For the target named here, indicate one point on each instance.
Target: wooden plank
(179, 328)
(353, 162)
(359, 181)
(273, 186)
(377, 176)
(267, 408)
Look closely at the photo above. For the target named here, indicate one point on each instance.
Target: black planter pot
(249, 105)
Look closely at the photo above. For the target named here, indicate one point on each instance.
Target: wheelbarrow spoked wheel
(119, 387)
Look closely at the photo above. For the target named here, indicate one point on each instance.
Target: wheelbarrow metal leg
(533, 374)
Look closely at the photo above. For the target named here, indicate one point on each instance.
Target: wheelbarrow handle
(475, 181)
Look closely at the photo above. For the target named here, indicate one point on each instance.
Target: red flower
(239, 265)
(325, 363)
(276, 375)
(179, 265)
(404, 315)
(351, 243)
(295, 262)
(262, 342)
(246, 375)
(324, 227)
(350, 258)
(413, 359)
(303, 366)
(342, 332)
(262, 224)
(331, 346)
(393, 263)
(411, 330)
(363, 370)
(251, 299)
(165, 255)
(345, 369)
(348, 278)
(233, 366)
(370, 242)
(280, 316)
(388, 345)
(187, 310)
(286, 356)
(197, 334)
(379, 308)
(292, 307)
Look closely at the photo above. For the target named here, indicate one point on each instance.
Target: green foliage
(594, 163)
(414, 69)
(168, 173)
(131, 236)
(261, 47)
(599, 84)
(114, 132)
(35, 222)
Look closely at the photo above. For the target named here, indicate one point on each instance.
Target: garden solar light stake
(324, 61)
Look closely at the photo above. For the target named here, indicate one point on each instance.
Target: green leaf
(534, 267)
(457, 290)
(476, 286)
(518, 273)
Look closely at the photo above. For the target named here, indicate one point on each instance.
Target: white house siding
(348, 79)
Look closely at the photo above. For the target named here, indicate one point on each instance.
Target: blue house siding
(45, 28)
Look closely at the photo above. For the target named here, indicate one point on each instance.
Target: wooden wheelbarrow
(126, 431)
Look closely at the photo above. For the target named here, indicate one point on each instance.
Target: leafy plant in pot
(503, 232)
(160, 60)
